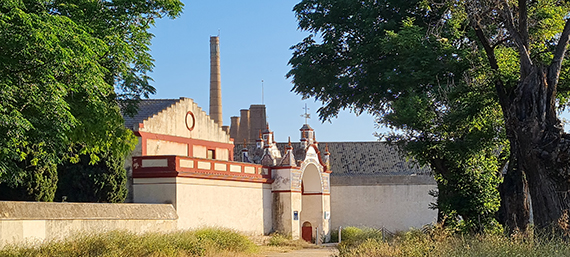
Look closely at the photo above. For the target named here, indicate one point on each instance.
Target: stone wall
(394, 202)
(31, 222)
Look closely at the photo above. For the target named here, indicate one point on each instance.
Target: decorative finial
(289, 141)
(260, 137)
(244, 143)
(306, 115)
(326, 148)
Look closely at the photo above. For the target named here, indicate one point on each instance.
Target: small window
(211, 154)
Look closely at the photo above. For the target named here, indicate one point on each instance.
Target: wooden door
(307, 231)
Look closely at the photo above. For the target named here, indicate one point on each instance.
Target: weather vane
(306, 115)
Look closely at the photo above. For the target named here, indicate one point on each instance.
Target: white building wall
(243, 206)
(397, 203)
(172, 121)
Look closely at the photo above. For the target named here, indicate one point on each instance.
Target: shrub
(283, 240)
(352, 235)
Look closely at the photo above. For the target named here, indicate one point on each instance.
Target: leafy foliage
(64, 66)
(422, 81)
(105, 181)
(439, 72)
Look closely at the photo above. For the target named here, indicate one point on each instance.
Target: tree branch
(526, 62)
(490, 52)
(523, 23)
(554, 69)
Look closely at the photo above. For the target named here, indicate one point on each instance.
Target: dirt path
(326, 251)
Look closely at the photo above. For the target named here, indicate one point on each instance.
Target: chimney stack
(215, 81)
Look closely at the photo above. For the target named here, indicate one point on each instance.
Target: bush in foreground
(203, 242)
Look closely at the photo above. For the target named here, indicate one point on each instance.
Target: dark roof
(147, 109)
(370, 158)
(353, 158)
(306, 127)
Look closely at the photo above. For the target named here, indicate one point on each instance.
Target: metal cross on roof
(306, 115)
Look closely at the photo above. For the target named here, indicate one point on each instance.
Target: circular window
(190, 121)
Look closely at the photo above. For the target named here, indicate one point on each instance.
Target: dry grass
(278, 243)
(441, 243)
(203, 242)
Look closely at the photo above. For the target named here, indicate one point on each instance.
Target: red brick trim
(285, 191)
(316, 193)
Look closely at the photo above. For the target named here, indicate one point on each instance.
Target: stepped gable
(147, 109)
(352, 158)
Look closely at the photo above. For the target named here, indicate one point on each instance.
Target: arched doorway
(307, 231)
(311, 201)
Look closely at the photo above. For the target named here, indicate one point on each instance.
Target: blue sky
(255, 37)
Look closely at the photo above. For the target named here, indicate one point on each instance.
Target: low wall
(29, 222)
(395, 202)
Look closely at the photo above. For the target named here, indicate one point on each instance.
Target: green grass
(203, 242)
(441, 243)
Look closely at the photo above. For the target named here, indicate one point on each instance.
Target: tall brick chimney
(215, 81)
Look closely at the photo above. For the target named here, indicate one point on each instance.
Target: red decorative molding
(173, 169)
(325, 168)
(285, 191)
(320, 193)
(193, 120)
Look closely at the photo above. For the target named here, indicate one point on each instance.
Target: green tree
(449, 88)
(104, 181)
(64, 66)
(383, 58)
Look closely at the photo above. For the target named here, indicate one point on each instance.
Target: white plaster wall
(312, 211)
(284, 205)
(204, 202)
(172, 121)
(222, 154)
(37, 231)
(326, 228)
(242, 206)
(199, 151)
(161, 147)
(282, 179)
(35, 222)
(155, 190)
(396, 207)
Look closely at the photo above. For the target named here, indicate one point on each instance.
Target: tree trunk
(514, 212)
(540, 148)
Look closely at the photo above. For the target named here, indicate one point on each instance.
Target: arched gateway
(301, 192)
